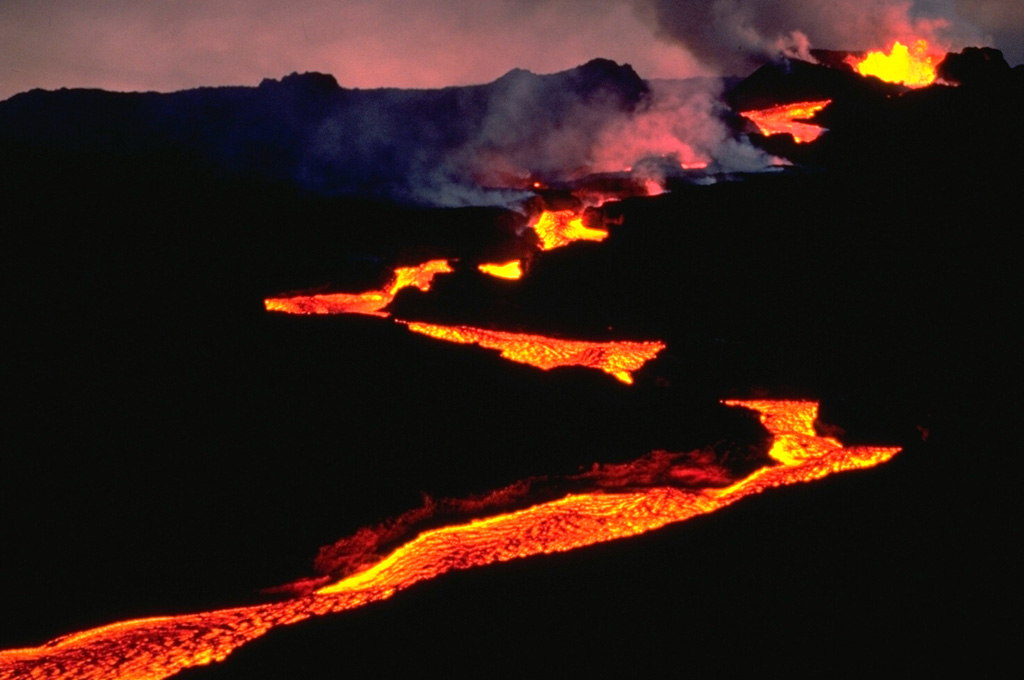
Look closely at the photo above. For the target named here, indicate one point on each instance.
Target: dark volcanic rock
(174, 448)
(792, 80)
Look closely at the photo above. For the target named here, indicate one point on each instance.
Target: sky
(167, 45)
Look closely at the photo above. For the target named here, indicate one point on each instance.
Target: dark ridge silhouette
(440, 146)
(975, 67)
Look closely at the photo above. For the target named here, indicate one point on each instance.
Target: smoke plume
(735, 36)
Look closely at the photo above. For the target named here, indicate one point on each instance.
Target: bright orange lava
(158, 647)
(618, 358)
(912, 66)
(510, 270)
(561, 227)
(786, 118)
(371, 302)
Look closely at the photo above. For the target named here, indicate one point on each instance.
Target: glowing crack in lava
(557, 228)
(371, 302)
(510, 270)
(617, 358)
(914, 67)
(159, 647)
(787, 118)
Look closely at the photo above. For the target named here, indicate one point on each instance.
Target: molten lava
(371, 302)
(159, 647)
(561, 227)
(510, 270)
(912, 66)
(791, 118)
(618, 359)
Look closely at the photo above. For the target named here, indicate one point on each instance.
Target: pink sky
(159, 45)
(168, 45)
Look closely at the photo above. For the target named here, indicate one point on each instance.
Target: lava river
(617, 358)
(555, 229)
(159, 647)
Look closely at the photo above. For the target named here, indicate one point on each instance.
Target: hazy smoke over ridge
(458, 146)
(486, 144)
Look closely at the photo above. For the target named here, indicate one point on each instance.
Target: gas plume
(490, 144)
(735, 36)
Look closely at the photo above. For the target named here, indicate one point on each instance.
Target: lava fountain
(913, 66)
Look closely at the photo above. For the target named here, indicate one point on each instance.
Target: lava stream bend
(159, 647)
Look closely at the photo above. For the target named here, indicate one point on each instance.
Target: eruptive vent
(912, 66)
(371, 302)
(789, 118)
(618, 359)
(159, 647)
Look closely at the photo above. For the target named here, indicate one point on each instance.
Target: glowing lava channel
(912, 66)
(371, 302)
(787, 118)
(617, 358)
(510, 270)
(558, 228)
(159, 647)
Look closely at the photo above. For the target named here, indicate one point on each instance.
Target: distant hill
(431, 146)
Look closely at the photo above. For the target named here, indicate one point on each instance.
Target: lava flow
(509, 270)
(371, 302)
(913, 67)
(789, 118)
(618, 358)
(159, 647)
(557, 228)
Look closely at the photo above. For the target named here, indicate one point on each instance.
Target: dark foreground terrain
(168, 446)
